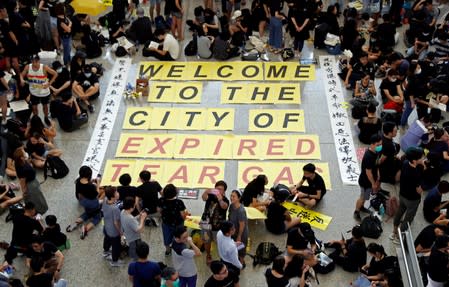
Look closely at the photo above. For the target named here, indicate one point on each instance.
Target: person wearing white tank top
(37, 75)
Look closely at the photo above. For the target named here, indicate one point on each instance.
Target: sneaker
(108, 257)
(91, 108)
(4, 122)
(117, 263)
(47, 121)
(71, 227)
(167, 252)
(107, 253)
(357, 215)
(83, 232)
(394, 237)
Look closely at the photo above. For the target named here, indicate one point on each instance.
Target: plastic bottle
(248, 246)
(381, 209)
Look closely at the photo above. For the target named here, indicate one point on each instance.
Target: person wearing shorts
(155, 4)
(176, 26)
(39, 84)
(369, 179)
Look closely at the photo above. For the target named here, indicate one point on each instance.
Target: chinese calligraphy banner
(341, 127)
(189, 174)
(314, 218)
(271, 93)
(175, 92)
(285, 172)
(226, 71)
(197, 146)
(101, 135)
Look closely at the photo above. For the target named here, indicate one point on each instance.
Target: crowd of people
(412, 96)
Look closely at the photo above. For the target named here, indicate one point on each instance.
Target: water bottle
(248, 246)
(381, 209)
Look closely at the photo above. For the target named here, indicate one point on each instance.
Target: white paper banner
(101, 135)
(341, 128)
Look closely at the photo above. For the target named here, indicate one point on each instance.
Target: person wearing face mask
(87, 87)
(62, 82)
(369, 179)
(311, 194)
(409, 191)
(392, 95)
(29, 185)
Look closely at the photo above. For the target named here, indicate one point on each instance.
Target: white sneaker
(106, 253)
(117, 263)
(108, 257)
(395, 238)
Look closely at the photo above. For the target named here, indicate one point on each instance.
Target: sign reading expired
(226, 71)
(204, 174)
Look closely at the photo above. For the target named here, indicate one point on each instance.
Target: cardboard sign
(197, 146)
(168, 118)
(185, 174)
(173, 92)
(273, 93)
(226, 71)
(314, 218)
(271, 120)
(286, 172)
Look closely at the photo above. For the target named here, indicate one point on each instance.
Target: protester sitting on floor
(221, 276)
(438, 145)
(205, 44)
(369, 125)
(359, 68)
(52, 257)
(140, 31)
(311, 194)
(77, 64)
(392, 95)
(278, 219)
(53, 234)
(375, 269)
(41, 276)
(253, 190)
(35, 125)
(148, 196)
(86, 191)
(432, 203)
(350, 254)
(86, 87)
(69, 114)
(7, 198)
(427, 236)
(167, 51)
(24, 226)
(274, 276)
(211, 25)
(40, 150)
(438, 262)
(296, 270)
(126, 189)
(364, 92)
(301, 241)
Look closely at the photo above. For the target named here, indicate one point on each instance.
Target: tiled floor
(84, 265)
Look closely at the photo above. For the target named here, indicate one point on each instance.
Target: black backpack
(371, 227)
(160, 23)
(324, 267)
(55, 167)
(121, 52)
(265, 253)
(192, 47)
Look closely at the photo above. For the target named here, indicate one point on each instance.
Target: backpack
(16, 127)
(56, 167)
(377, 201)
(99, 67)
(221, 49)
(391, 206)
(287, 54)
(325, 264)
(280, 192)
(121, 52)
(14, 210)
(371, 227)
(192, 47)
(265, 253)
(92, 43)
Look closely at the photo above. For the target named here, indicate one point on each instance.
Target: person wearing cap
(238, 29)
(168, 51)
(301, 241)
(86, 87)
(39, 84)
(140, 31)
(311, 194)
(350, 254)
(409, 191)
(62, 83)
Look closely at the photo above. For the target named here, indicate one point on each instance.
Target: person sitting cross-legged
(311, 194)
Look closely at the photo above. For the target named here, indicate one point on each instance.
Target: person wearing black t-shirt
(301, 241)
(439, 147)
(389, 164)
(426, 238)
(48, 252)
(24, 226)
(4, 88)
(409, 191)
(351, 253)
(62, 82)
(369, 175)
(438, 262)
(148, 195)
(390, 89)
(41, 277)
(432, 203)
(375, 269)
(86, 191)
(278, 219)
(221, 276)
(86, 87)
(311, 194)
(275, 276)
(69, 114)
